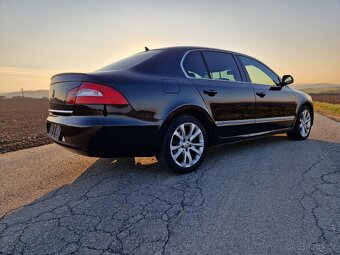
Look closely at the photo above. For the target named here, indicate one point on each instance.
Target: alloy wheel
(305, 123)
(187, 144)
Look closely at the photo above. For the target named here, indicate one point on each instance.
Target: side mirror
(286, 80)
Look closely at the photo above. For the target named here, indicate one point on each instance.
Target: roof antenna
(146, 48)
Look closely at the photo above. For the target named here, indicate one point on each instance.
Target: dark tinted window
(130, 62)
(259, 73)
(194, 66)
(222, 66)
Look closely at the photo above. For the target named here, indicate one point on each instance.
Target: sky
(39, 38)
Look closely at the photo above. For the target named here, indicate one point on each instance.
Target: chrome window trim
(253, 121)
(186, 75)
(61, 111)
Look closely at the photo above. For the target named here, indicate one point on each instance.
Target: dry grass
(327, 104)
(332, 110)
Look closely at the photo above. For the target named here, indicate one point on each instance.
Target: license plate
(54, 132)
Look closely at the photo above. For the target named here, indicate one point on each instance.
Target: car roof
(187, 48)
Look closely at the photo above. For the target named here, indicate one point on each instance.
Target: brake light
(92, 93)
(71, 96)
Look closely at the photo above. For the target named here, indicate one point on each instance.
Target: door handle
(260, 94)
(210, 92)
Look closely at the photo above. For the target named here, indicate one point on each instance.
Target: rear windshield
(131, 61)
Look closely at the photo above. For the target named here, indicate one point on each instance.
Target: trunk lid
(61, 84)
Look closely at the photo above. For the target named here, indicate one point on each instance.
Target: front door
(275, 105)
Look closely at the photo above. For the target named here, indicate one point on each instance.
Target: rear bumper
(113, 136)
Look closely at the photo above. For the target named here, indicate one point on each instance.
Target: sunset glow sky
(40, 38)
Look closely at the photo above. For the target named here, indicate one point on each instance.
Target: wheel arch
(197, 112)
(310, 106)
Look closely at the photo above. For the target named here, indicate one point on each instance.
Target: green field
(327, 108)
(326, 99)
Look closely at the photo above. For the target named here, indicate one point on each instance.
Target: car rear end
(96, 119)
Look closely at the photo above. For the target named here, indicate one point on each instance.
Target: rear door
(275, 105)
(218, 80)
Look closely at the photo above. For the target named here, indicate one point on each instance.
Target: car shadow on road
(124, 204)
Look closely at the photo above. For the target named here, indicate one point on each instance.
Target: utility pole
(22, 92)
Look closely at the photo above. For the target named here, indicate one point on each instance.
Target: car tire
(303, 125)
(183, 145)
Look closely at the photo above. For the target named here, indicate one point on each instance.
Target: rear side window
(130, 62)
(222, 66)
(194, 67)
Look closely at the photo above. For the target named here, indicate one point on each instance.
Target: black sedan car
(174, 103)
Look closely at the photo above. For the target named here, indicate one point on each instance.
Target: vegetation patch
(332, 110)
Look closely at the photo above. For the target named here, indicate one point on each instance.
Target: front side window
(222, 66)
(259, 73)
(194, 66)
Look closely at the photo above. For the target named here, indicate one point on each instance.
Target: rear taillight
(71, 96)
(92, 93)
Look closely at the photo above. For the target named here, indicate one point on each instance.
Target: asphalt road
(265, 196)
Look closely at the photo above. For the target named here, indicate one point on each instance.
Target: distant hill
(318, 88)
(28, 93)
(315, 85)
